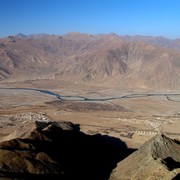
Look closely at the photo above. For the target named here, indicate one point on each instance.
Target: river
(81, 98)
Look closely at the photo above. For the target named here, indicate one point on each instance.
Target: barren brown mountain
(161, 41)
(99, 59)
(159, 158)
(44, 149)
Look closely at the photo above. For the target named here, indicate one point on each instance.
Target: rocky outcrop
(158, 158)
(58, 151)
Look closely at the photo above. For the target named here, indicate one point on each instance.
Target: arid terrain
(118, 87)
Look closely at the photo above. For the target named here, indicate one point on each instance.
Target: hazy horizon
(123, 35)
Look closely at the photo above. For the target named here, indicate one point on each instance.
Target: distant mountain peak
(21, 35)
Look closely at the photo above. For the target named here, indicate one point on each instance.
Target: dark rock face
(60, 151)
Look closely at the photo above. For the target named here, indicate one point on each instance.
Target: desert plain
(134, 116)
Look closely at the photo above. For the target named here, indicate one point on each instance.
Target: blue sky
(124, 17)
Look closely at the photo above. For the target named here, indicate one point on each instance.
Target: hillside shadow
(88, 157)
(171, 163)
(77, 155)
(177, 177)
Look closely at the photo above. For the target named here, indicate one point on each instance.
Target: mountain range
(104, 59)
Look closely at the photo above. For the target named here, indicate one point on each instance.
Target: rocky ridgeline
(58, 150)
(158, 158)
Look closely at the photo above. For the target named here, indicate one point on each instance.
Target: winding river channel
(81, 98)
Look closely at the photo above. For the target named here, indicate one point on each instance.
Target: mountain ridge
(58, 150)
(45, 148)
(157, 158)
(96, 59)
